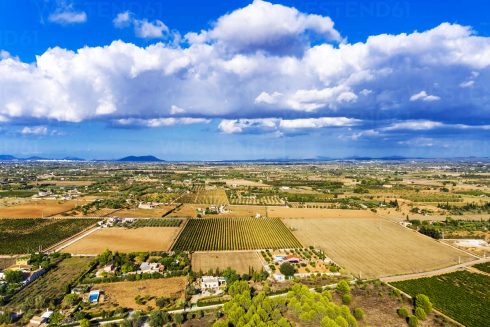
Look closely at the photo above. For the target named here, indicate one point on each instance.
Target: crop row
(235, 234)
(19, 236)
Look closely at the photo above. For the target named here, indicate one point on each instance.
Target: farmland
(52, 285)
(25, 235)
(123, 293)
(37, 209)
(200, 196)
(125, 240)
(485, 267)
(217, 234)
(374, 247)
(164, 222)
(471, 290)
(241, 261)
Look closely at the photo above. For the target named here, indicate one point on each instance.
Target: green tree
(343, 287)
(14, 276)
(346, 299)
(85, 323)
(413, 321)
(423, 301)
(420, 314)
(358, 313)
(403, 312)
(287, 269)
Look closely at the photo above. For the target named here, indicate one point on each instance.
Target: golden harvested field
(143, 213)
(186, 210)
(37, 209)
(125, 240)
(375, 247)
(241, 261)
(244, 182)
(124, 293)
(284, 212)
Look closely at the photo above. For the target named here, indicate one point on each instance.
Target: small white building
(212, 282)
(279, 277)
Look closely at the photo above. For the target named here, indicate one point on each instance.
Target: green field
(19, 236)
(160, 222)
(462, 295)
(16, 194)
(52, 286)
(216, 234)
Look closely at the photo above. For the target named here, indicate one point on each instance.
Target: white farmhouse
(212, 282)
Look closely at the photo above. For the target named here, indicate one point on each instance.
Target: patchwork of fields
(375, 247)
(216, 234)
(241, 261)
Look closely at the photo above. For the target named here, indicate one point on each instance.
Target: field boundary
(75, 238)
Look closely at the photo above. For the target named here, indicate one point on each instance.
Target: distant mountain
(73, 159)
(140, 159)
(7, 157)
(35, 158)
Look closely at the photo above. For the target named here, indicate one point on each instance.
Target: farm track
(436, 272)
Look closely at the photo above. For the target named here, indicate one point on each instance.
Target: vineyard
(163, 222)
(20, 236)
(485, 267)
(217, 234)
(217, 196)
(270, 200)
(472, 292)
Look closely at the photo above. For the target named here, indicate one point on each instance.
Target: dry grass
(240, 261)
(143, 213)
(124, 293)
(284, 212)
(375, 247)
(125, 240)
(37, 209)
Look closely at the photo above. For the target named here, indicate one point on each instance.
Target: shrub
(346, 299)
(358, 313)
(403, 312)
(423, 301)
(413, 321)
(420, 314)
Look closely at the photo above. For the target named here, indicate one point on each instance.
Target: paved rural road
(433, 272)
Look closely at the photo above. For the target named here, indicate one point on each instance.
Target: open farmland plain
(242, 262)
(375, 247)
(125, 240)
(217, 234)
(462, 295)
(20, 236)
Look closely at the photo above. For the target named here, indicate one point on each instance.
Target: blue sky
(194, 80)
